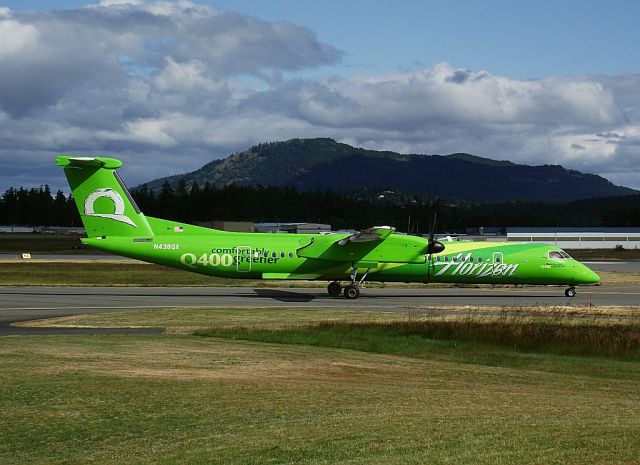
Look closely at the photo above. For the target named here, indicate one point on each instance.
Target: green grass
(196, 400)
(419, 337)
(339, 387)
(597, 347)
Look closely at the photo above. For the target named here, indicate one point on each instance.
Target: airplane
(115, 224)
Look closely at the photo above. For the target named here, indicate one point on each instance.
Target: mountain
(310, 164)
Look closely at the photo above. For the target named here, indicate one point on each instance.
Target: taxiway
(22, 303)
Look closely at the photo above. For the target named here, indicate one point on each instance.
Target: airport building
(295, 228)
(247, 226)
(579, 238)
(12, 229)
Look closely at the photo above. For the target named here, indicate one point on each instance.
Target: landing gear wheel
(571, 292)
(351, 292)
(334, 288)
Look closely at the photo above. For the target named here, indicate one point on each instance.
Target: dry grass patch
(613, 278)
(187, 320)
(181, 320)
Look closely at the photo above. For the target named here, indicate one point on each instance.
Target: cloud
(168, 86)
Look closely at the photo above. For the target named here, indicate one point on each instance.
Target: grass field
(88, 273)
(387, 396)
(608, 332)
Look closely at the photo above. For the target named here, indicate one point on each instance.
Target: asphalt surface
(23, 303)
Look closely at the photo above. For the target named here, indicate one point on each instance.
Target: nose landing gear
(571, 292)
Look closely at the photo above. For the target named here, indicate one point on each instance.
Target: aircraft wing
(369, 246)
(376, 233)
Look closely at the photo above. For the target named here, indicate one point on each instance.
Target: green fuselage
(114, 223)
(320, 256)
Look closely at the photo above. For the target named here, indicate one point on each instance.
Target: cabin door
(243, 258)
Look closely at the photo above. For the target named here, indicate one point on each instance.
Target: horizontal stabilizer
(81, 162)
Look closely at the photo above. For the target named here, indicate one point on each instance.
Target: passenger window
(265, 254)
(281, 254)
(273, 255)
(290, 255)
(479, 259)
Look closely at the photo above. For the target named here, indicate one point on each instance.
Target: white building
(299, 228)
(16, 229)
(578, 238)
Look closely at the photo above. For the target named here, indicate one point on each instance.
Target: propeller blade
(434, 246)
(432, 233)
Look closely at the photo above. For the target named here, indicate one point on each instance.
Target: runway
(22, 303)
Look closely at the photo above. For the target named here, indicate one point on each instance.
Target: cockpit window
(565, 254)
(554, 254)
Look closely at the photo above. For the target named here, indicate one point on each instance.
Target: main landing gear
(352, 291)
(571, 292)
(334, 288)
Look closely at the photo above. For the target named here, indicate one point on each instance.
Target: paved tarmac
(22, 303)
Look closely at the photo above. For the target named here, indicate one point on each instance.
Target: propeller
(434, 246)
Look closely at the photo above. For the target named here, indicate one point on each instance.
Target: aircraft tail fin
(106, 206)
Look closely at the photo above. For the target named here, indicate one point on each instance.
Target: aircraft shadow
(284, 296)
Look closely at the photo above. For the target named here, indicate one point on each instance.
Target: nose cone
(585, 275)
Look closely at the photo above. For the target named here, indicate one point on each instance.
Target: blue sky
(167, 86)
(519, 39)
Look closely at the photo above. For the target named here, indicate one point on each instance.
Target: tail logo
(118, 203)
